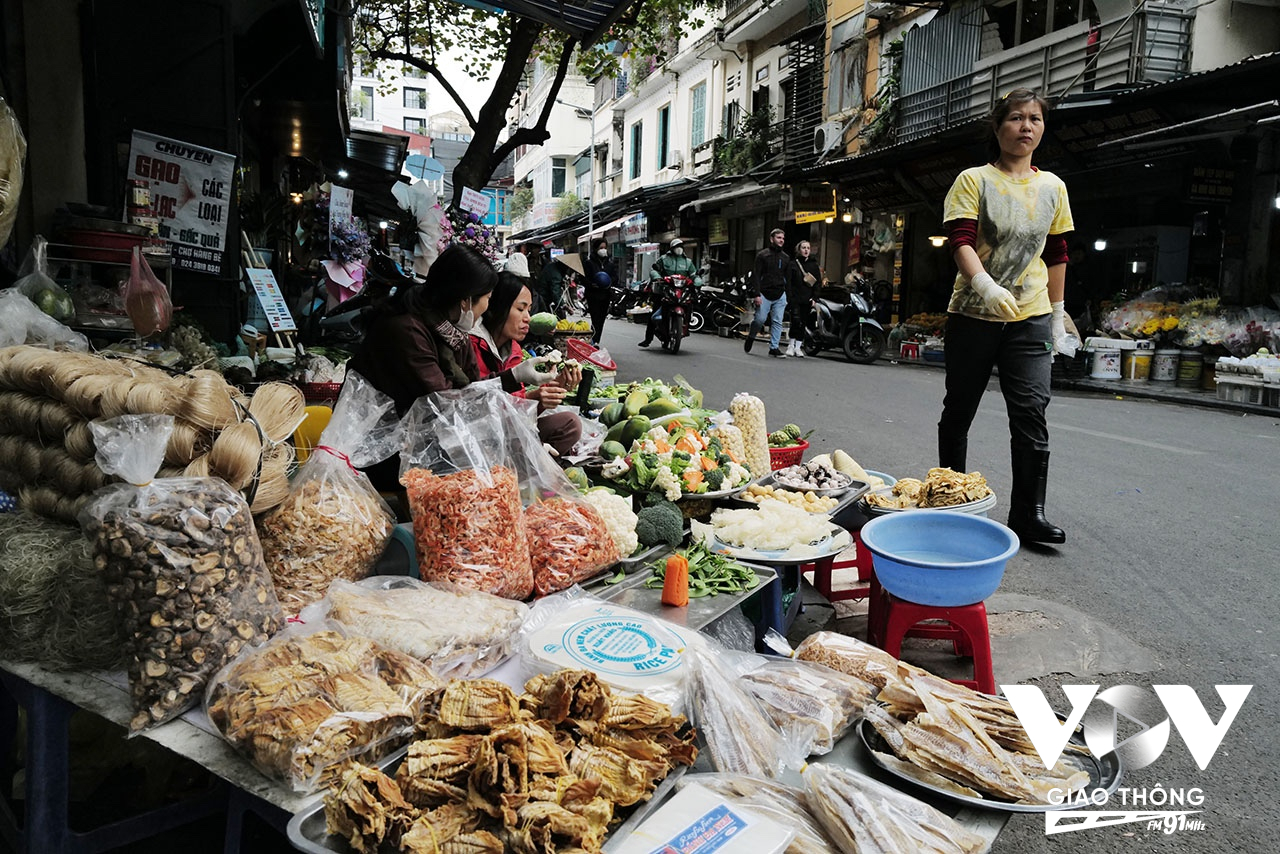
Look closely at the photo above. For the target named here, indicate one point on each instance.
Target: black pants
(598, 310)
(800, 307)
(1024, 353)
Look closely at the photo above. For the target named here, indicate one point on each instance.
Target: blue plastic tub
(939, 557)
(889, 480)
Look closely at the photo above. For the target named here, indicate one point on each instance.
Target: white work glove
(997, 299)
(527, 371)
(1063, 344)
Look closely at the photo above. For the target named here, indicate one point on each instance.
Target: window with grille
(415, 99)
(415, 125)
(637, 131)
(559, 169)
(698, 116)
(362, 103)
(1022, 21)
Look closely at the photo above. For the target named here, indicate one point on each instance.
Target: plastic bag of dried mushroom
(183, 567)
(334, 524)
(316, 696)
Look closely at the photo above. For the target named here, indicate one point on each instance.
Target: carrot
(707, 463)
(692, 477)
(675, 583)
(662, 446)
(686, 444)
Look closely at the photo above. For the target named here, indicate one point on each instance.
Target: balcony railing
(1151, 47)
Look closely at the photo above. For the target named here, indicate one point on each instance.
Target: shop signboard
(1209, 184)
(190, 194)
(813, 202)
(271, 300)
(635, 229)
(717, 230)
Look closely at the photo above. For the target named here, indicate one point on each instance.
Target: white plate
(816, 490)
(836, 541)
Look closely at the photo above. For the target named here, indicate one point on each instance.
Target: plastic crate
(1239, 389)
(780, 458)
(937, 357)
(321, 393)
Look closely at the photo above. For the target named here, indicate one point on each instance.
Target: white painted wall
(570, 135)
(388, 107)
(1227, 31)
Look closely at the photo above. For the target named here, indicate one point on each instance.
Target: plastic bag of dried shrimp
(457, 466)
(458, 632)
(315, 696)
(183, 567)
(334, 524)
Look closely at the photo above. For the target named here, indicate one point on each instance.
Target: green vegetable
(709, 573)
(618, 576)
(660, 523)
(714, 479)
(542, 323)
(612, 450)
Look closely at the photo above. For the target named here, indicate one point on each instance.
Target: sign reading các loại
(190, 194)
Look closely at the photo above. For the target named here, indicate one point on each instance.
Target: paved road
(1169, 575)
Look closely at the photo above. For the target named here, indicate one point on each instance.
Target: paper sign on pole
(271, 300)
(474, 202)
(190, 196)
(340, 201)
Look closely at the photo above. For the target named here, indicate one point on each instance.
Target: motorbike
(344, 324)
(624, 297)
(717, 307)
(674, 300)
(843, 319)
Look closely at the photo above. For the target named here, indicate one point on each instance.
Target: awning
(587, 20)
(750, 188)
(606, 228)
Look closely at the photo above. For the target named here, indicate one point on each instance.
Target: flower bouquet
(466, 228)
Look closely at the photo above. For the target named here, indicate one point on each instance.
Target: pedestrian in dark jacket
(769, 289)
(550, 284)
(598, 287)
(803, 281)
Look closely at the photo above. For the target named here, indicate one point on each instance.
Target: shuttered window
(698, 116)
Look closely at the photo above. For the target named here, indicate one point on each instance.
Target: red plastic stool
(861, 561)
(966, 629)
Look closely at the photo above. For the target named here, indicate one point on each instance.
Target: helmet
(603, 279)
(675, 243)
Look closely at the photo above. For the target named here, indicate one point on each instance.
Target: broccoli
(660, 523)
(723, 459)
(714, 480)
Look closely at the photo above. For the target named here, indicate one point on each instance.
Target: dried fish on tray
(456, 631)
(942, 487)
(863, 815)
(312, 698)
(542, 771)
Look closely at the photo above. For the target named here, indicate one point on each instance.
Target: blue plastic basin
(939, 557)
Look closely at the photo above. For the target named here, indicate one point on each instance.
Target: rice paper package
(458, 468)
(334, 524)
(458, 632)
(183, 567)
(314, 697)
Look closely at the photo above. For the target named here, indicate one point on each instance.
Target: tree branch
(429, 68)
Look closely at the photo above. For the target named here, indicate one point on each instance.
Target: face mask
(603, 253)
(679, 250)
(467, 321)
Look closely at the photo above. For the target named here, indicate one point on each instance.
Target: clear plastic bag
(22, 323)
(314, 697)
(801, 692)
(860, 814)
(146, 300)
(457, 632)
(34, 283)
(183, 567)
(458, 468)
(785, 804)
(334, 524)
(843, 653)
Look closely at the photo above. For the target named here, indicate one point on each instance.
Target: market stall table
(632, 593)
(50, 698)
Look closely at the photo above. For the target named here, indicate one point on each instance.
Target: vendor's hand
(1057, 325)
(550, 396)
(757, 300)
(996, 298)
(569, 376)
(527, 371)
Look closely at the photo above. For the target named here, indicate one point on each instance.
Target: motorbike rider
(803, 280)
(769, 288)
(674, 263)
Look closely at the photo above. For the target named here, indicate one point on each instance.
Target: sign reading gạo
(190, 195)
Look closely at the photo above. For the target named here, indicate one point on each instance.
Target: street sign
(473, 202)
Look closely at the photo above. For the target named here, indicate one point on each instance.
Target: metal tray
(307, 831)
(852, 493)
(1104, 774)
(837, 541)
(771, 480)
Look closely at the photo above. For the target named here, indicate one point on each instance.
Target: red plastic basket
(321, 393)
(584, 352)
(780, 458)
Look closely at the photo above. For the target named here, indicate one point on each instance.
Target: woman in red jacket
(496, 339)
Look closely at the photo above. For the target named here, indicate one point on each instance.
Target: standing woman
(601, 276)
(804, 279)
(418, 342)
(1008, 223)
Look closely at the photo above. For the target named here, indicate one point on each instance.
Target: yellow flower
(1169, 324)
(1150, 327)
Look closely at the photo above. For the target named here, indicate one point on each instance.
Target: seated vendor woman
(497, 338)
(417, 343)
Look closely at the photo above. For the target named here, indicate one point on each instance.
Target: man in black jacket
(769, 283)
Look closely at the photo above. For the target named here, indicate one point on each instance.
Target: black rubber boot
(952, 452)
(751, 337)
(1026, 504)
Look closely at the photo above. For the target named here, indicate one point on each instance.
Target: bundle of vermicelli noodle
(208, 401)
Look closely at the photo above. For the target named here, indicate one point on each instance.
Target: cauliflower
(647, 446)
(618, 518)
(657, 434)
(668, 483)
(737, 474)
(615, 469)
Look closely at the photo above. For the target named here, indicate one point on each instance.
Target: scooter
(842, 319)
(674, 299)
(714, 307)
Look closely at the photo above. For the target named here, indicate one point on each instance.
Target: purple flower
(470, 232)
(474, 217)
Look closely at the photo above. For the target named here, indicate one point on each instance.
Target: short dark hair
(598, 242)
(1013, 98)
(459, 273)
(504, 295)
(777, 231)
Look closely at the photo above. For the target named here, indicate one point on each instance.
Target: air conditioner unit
(825, 137)
(677, 160)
